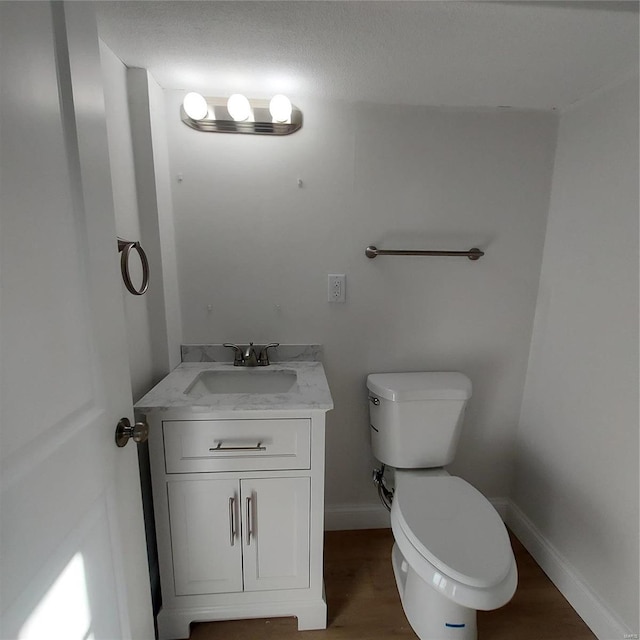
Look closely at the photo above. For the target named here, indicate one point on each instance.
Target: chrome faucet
(249, 356)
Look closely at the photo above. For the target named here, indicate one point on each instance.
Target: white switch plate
(337, 287)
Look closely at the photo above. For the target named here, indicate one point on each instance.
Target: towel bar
(472, 254)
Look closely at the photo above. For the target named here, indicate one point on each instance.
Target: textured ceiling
(482, 54)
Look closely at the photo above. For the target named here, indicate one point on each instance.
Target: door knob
(125, 430)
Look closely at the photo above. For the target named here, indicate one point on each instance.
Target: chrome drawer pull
(232, 521)
(249, 532)
(257, 447)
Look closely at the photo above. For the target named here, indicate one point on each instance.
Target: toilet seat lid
(453, 526)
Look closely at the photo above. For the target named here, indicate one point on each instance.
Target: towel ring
(124, 247)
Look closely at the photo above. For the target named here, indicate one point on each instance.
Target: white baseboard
(343, 517)
(598, 617)
(501, 505)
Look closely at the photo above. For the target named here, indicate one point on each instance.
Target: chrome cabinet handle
(219, 447)
(249, 531)
(232, 521)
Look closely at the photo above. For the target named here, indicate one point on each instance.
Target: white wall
(125, 201)
(139, 169)
(146, 101)
(577, 446)
(258, 249)
(163, 218)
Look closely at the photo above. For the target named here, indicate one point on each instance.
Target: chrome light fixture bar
(277, 117)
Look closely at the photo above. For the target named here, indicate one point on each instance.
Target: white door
(205, 536)
(73, 558)
(275, 538)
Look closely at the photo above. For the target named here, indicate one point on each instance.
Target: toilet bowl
(451, 556)
(452, 553)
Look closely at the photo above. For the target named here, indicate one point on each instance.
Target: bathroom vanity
(237, 465)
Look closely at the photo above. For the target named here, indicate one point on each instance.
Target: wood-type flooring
(363, 602)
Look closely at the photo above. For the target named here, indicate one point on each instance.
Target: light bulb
(195, 106)
(280, 108)
(238, 107)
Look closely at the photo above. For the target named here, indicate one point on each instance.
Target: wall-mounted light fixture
(238, 114)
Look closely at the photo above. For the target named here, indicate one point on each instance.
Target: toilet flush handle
(375, 401)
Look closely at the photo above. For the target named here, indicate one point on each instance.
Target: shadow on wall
(562, 509)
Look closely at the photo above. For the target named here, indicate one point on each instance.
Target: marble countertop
(310, 393)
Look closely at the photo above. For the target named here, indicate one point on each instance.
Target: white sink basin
(242, 381)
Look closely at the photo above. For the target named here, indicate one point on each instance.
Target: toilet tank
(416, 417)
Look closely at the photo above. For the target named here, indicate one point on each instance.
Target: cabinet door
(275, 533)
(205, 536)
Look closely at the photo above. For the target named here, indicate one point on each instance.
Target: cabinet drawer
(193, 446)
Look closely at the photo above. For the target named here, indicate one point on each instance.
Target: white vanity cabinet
(239, 535)
(204, 558)
(239, 510)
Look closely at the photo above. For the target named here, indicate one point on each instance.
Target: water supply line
(384, 493)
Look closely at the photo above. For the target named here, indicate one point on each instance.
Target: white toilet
(452, 554)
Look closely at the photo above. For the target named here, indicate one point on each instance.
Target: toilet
(452, 554)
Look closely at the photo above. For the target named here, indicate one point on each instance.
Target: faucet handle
(238, 357)
(263, 359)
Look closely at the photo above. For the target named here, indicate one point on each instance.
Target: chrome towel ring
(124, 247)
